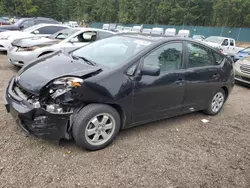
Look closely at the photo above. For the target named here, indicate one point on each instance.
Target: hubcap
(100, 129)
(217, 102)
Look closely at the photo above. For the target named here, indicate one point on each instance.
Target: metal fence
(239, 34)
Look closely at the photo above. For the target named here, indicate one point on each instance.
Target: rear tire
(96, 126)
(216, 103)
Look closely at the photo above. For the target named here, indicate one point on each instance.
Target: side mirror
(21, 27)
(36, 32)
(151, 70)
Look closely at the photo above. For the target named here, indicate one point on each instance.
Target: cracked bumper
(36, 121)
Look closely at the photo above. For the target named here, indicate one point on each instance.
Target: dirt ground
(178, 152)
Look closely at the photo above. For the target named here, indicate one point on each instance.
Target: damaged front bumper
(37, 121)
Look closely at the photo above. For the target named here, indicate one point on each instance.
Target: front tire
(216, 104)
(96, 126)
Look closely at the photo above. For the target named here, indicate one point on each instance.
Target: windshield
(246, 50)
(111, 51)
(217, 40)
(18, 22)
(63, 34)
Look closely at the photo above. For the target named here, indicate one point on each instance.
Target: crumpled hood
(39, 73)
(34, 41)
(15, 34)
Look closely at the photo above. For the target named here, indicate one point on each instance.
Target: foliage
(232, 13)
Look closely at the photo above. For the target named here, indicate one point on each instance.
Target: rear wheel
(96, 126)
(216, 104)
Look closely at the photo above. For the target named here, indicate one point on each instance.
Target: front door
(80, 40)
(160, 96)
(202, 76)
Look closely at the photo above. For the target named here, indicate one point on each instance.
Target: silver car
(26, 50)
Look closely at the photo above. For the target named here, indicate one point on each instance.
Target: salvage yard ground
(179, 152)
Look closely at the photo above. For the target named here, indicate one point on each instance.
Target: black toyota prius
(126, 80)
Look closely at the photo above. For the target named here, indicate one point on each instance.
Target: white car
(73, 24)
(157, 31)
(7, 37)
(184, 33)
(228, 45)
(24, 51)
(146, 31)
(170, 32)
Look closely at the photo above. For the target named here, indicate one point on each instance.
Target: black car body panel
(59, 65)
(138, 98)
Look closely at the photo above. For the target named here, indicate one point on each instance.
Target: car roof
(154, 38)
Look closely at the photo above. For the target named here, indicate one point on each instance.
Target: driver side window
(225, 42)
(168, 57)
(88, 36)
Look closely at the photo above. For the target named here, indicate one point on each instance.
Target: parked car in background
(24, 23)
(97, 90)
(242, 70)
(4, 21)
(146, 31)
(24, 51)
(105, 26)
(73, 24)
(170, 32)
(137, 29)
(199, 37)
(157, 31)
(226, 44)
(184, 33)
(242, 53)
(7, 37)
(127, 29)
(119, 28)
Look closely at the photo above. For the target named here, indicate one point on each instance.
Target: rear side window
(199, 56)
(27, 24)
(49, 29)
(231, 42)
(218, 58)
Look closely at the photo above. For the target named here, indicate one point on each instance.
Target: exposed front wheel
(96, 126)
(216, 103)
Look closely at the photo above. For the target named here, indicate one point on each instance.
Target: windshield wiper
(84, 59)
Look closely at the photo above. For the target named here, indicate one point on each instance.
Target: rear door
(203, 76)
(160, 96)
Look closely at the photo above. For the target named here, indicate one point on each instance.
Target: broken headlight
(63, 85)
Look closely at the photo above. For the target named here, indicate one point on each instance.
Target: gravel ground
(178, 152)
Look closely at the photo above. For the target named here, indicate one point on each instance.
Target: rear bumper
(36, 121)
